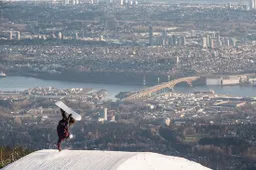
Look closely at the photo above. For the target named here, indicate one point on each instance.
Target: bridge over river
(147, 92)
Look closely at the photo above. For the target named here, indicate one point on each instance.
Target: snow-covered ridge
(101, 160)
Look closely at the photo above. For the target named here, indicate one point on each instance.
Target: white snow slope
(101, 160)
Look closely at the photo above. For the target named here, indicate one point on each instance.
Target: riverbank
(121, 78)
(103, 77)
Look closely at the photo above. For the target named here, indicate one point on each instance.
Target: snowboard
(68, 110)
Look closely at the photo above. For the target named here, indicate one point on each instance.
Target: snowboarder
(63, 127)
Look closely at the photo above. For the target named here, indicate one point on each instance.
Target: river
(19, 83)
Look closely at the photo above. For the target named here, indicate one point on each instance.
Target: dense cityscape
(159, 45)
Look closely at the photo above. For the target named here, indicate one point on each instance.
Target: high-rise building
(10, 35)
(44, 37)
(76, 36)
(179, 41)
(157, 41)
(204, 42)
(150, 34)
(192, 33)
(212, 35)
(170, 41)
(208, 40)
(211, 43)
(227, 42)
(218, 39)
(177, 60)
(164, 38)
(233, 42)
(183, 40)
(53, 2)
(66, 2)
(252, 4)
(163, 42)
(229, 5)
(174, 40)
(60, 35)
(101, 38)
(105, 114)
(18, 35)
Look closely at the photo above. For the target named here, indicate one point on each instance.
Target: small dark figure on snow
(63, 127)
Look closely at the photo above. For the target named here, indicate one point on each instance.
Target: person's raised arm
(68, 120)
(63, 113)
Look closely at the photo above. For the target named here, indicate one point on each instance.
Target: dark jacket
(63, 126)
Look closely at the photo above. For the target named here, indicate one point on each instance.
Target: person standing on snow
(63, 128)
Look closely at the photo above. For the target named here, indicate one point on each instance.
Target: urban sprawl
(133, 42)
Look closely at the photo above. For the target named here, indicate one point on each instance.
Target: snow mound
(101, 160)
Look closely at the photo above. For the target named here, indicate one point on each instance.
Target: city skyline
(169, 78)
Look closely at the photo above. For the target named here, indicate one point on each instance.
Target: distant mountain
(101, 160)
